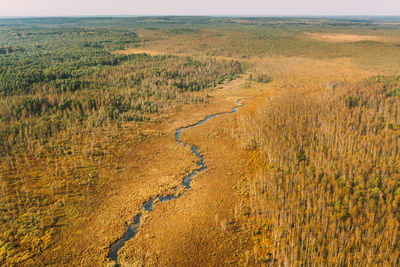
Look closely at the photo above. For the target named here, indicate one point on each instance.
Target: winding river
(132, 229)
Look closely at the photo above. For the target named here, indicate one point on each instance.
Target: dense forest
(328, 187)
(50, 79)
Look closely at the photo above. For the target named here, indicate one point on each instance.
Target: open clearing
(337, 37)
(138, 51)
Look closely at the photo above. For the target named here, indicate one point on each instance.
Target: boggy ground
(202, 227)
(140, 160)
(206, 226)
(146, 162)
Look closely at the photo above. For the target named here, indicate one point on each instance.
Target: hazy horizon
(76, 8)
(205, 15)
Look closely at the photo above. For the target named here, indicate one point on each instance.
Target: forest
(327, 191)
(68, 76)
(89, 109)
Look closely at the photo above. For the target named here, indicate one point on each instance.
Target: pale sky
(197, 7)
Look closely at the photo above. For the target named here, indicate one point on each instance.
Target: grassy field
(305, 174)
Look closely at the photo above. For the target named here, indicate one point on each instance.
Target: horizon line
(205, 15)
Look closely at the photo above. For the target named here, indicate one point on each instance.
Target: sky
(197, 7)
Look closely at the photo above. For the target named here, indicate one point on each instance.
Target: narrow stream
(132, 229)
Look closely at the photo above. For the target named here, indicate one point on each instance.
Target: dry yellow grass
(336, 37)
(309, 74)
(202, 223)
(137, 51)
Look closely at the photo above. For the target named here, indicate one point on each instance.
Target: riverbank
(203, 227)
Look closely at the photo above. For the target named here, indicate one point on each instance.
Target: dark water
(132, 229)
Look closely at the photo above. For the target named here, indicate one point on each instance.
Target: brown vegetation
(87, 123)
(327, 191)
(138, 51)
(336, 37)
